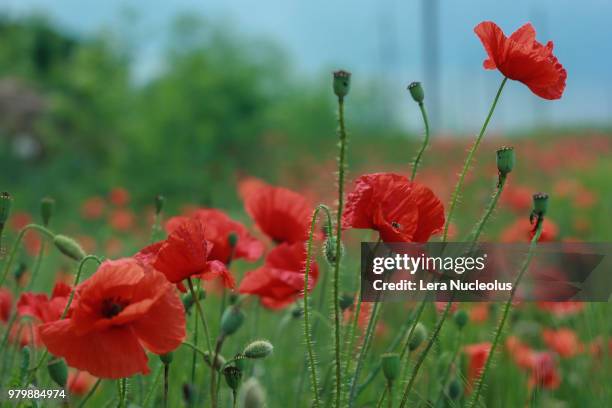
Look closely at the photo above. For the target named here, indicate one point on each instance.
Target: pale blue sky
(323, 34)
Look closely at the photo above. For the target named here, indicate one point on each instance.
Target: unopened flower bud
(232, 377)
(418, 336)
(6, 201)
(159, 203)
(416, 91)
(254, 395)
(47, 205)
(461, 318)
(232, 319)
(454, 389)
(298, 310)
(69, 247)
(346, 300)
(240, 362)
(166, 358)
(505, 160)
(258, 349)
(58, 371)
(342, 83)
(189, 394)
(20, 271)
(540, 203)
(232, 239)
(188, 300)
(391, 366)
(330, 249)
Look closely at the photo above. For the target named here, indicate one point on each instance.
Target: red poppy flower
(119, 196)
(281, 214)
(219, 227)
(6, 304)
(280, 281)
(522, 354)
(80, 382)
(122, 309)
(521, 58)
(122, 219)
(544, 371)
(477, 355)
(522, 231)
(562, 308)
(400, 210)
(564, 341)
(93, 208)
(185, 253)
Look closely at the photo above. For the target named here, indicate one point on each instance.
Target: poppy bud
(253, 394)
(297, 311)
(461, 318)
(416, 90)
(505, 160)
(232, 319)
(47, 205)
(418, 336)
(342, 83)
(540, 203)
(346, 300)
(166, 358)
(58, 371)
(258, 349)
(240, 362)
(330, 249)
(6, 201)
(232, 377)
(20, 271)
(188, 300)
(25, 361)
(159, 203)
(69, 247)
(232, 239)
(391, 366)
(454, 389)
(189, 394)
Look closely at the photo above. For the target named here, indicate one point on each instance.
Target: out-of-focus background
(186, 97)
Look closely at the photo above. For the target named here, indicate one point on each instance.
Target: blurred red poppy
(185, 253)
(6, 304)
(93, 208)
(80, 382)
(522, 231)
(400, 210)
(122, 309)
(119, 197)
(122, 219)
(521, 58)
(281, 214)
(280, 281)
(477, 357)
(564, 341)
(562, 308)
(544, 371)
(219, 227)
(520, 352)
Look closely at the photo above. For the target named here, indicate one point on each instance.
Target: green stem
(37, 266)
(9, 262)
(468, 161)
(506, 311)
(447, 374)
(307, 329)
(336, 276)
(490, 208)
(417, 160)
(122, 389)
(153, 386)
(166, 379)
(90, 393)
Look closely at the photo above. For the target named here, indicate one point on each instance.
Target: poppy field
(238, 286)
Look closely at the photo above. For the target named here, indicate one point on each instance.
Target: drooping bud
(461, 318)
(189, 394)
(258, 349)
(166, 358)
(58, 371)
(505, 160)
(188, 300)
(240, 362)
(330, 249)
(418, 336)
(540, 203)
(232, 239)
(391, 366)
(454, 389)
(232, 377)
(416, 91)
(346, 300)
(298, 310)
(6, 201)
(254, 395)
(69, 247)
(47, 206)
(342, 83)
(232, 319)
(159, 203)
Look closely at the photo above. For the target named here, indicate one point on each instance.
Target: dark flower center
(396, 225)
(111, 307)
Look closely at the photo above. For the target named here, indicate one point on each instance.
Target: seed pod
(6, 202)
(159, 203)
(454, 389)
(58, 371)
(329, 250)
(346, 300)
(505, 160)
(232, 377)
(240, 362)
(540, 203)
(69, 247)
(391, 366)
(461, 318)
(253, 395)
(188, 300)
(232, 319)
(47, 206)
(166, 358)
(418, 336)
(258, 349)
(416, 91)
(342, 83)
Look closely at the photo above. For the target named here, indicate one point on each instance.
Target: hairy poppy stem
(506, 311)
(417, 160)
(468, 161)
(90, 393)
(336, 276)
(213, 388)
(490, 208)
(307, 329)
(37, 265)
(447, 373)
